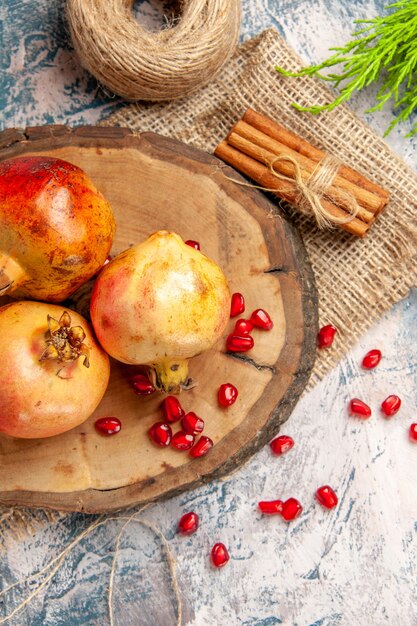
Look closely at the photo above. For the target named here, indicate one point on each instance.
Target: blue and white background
(355, 566)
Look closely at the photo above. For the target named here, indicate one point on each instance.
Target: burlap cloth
(357, 280)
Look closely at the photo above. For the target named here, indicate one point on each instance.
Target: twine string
(311, 192)
(57, 561)
(139, 64)
(170, 560)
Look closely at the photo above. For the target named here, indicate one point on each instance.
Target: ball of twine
(142, 65)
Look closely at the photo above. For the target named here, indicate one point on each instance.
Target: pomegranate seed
(270, 508)
(203, 445)
(172, 409)
(371, 359)
(192, 424)
(219, 555)
(239, 343)
(281, 444)
(326, 335)
(108, 426)
(188, 524)
(261, 319)
(160, 433)
(142, 386)
(107, 261)
(327, 497)
(237, 305)
(227, 394)
(182, 440)
(413, 432)
(291, 509)
(359, 409)
(243, 327)
(192, 244)
(391, 406)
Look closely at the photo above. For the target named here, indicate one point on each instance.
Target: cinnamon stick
(284, 189)
(287, 168)
(369, 201)
(276, 131)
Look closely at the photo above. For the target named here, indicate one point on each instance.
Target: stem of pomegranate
(11, 274)
(171, 375)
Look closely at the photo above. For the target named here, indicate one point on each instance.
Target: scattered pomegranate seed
(182, 440)
(227, 394)
(192, 424)
(413, 432)
(281, 444)
(326, 336)
(243, 327)
(271, 507)
(172, 409)
(188, 524)
(193, 244)
(391, 405)
(237, 305)
(239, 343)
(142, 386)
(203, 445)
(261, 319)
(108, 426)
(371, 359)
(359, 409)
(291, 509)
(219, 555)
(160, 433)
(107, 261)
(327, 497)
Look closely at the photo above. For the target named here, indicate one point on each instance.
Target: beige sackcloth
(357, 279)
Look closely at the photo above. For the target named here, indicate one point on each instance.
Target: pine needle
(383, 51)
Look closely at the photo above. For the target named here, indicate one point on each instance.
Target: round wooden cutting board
(156, 183)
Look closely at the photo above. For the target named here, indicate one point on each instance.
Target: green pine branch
(384, 51)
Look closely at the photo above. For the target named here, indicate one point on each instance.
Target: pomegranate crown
(64, 343)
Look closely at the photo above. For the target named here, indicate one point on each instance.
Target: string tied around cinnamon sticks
(311, 192)
(310, 179)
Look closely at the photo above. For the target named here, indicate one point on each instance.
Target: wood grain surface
(154, 183)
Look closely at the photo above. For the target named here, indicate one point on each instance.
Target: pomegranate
(358, 408)
(188, 523)
(202, 447)
(239, 343)
(270, 507)
(291, 509)
(161, 434)
(327, 497)
(159, 304)
(56, 229)
(326, 336)
(219, 555)
(108, 426)
(56, 373)
(227, 394)
(281, 444)
(237, 305)
(261, 319)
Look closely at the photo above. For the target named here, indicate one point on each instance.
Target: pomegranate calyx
(64, 342)
(171, 375)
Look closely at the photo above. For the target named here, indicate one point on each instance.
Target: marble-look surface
(355, 566)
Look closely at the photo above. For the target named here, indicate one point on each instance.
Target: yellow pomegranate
(159, 304)
(56, 229)
(54, 372)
